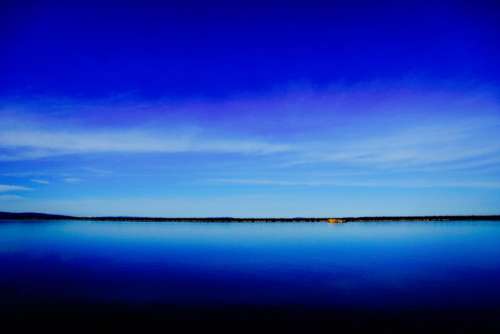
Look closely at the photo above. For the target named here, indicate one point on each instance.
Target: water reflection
(387, 264)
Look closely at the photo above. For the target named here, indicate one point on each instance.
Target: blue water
(384, 265)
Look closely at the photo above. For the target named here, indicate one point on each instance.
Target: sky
(250, 109)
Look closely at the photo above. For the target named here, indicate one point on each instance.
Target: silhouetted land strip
(43, 216)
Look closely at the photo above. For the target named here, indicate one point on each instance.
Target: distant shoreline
(334, 220)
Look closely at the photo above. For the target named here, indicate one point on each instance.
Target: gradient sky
(229, 109)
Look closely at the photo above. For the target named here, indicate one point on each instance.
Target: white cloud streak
(10, 188)
(39, 181)
(366, 127)
(408, 147)
(456, 143)
(34, 144)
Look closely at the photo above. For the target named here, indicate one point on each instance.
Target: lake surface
(366, 266)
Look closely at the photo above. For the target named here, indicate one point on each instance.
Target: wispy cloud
(364, 137)
(455, 142)
(429, 144)
(28, 138)
(39, 181)
(11, 188)
(372, 127)
(34, 144)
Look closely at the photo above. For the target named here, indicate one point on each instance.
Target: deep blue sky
(258, 109)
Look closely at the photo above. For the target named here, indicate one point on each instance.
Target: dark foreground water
(238, 270)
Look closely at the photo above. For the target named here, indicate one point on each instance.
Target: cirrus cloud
(11, 188)
(371, 126)
(28, 144)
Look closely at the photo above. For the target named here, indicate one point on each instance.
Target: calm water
(361, 265)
